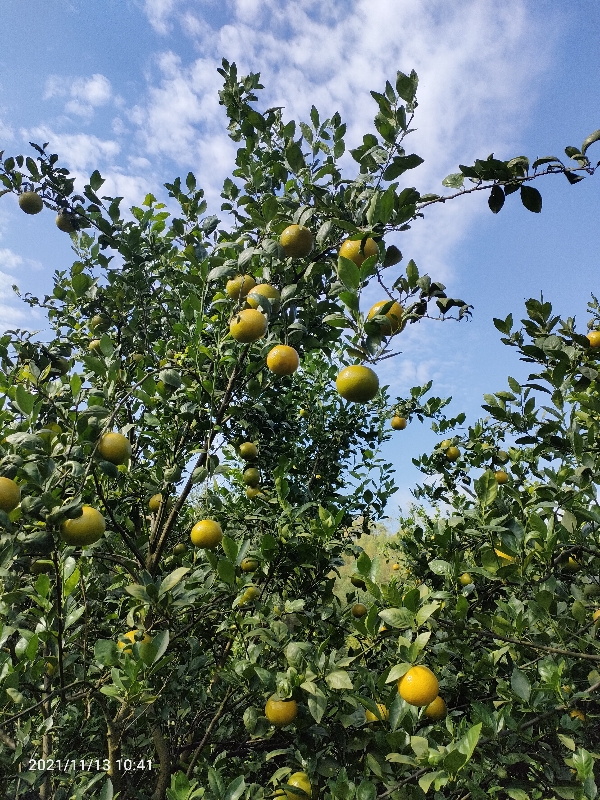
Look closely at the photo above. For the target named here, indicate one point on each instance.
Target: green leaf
(363, 564)
(106, 652)
(398, 617)
(406, 85)
(440, 567)
(294, 157)
(25, 400)
(454, 181)
(520, 684)
(172, 580)
(96, 180)
(348, 273)
(230, 548)
(366, 790)
(455, 761)
(593, 137)
(401, 164)
(226, 571)
(496, 199)
(339, 679)
(235, 789)
(531, 199)
(397, 672)
(412, 274)
(486, 488)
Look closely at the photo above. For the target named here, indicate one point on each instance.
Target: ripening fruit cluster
(32, 203)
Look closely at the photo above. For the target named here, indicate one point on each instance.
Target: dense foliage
(141, 344)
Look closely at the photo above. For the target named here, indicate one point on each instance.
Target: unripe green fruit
(31, 202)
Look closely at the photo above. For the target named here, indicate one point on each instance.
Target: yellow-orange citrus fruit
(238, 288)
(65, 223)
(179, 549)
(10, 494)
(594, 338)
(42, 565)
(154, 502)
(206, 533)
(502, 555)
(393, 317)
(249, 565)
(94, 345)
(301, 781)
(395, 567)
(577, 714)
(251, 593)
(280, 712)
(452, 453)
(145, 639)
(357, 581)
(445, 444)
(465, 579)
(30, 202)
(252, 492)
(99, 323)
(137, 357)
(357, 383)
(303, 412)
(86, 529)
(359, 610)
(297, 241)
(436, 710)
(351, 249)
(248, 451)
(572, 565)
(248, 325)
(398, 423)
(114, 447)
(251, 477)
(265, 290)
(418, 686)
(383, 712)
(501, 476)
(283, 360)
(596, 616)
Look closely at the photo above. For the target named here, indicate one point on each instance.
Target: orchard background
(178, 497)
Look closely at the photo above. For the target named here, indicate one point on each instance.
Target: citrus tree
(183, 461)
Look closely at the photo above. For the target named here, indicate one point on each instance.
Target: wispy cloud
(11, 261)
(159, 13)
(85, 94)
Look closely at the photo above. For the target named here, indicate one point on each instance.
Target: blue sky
(130, 87)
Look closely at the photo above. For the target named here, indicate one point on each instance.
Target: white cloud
(158, 12)
(86, 94)
(12, 314)
(12, 261)
(80, 151)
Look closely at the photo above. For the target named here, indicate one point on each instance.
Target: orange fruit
(31, 202)
(501, 476)
(207, 533)
(265, 290)
(301, 781)
(86, 529)
(239, 287)
(248, 451)
(251, 593)
(352, 250)
(249, 565)
(154, 502)
(577, 714)
(395, 567)
(280, 712)
(394, 317)
(594, 338)
(253, 491)
(99, 323)
(596, 616)
(452, 453)
(94, 345)
(465, 579)
(65, 222)
(248, 325)
(114, 447)
(10, 494)
(357, 581)
(418, 686)
(357, 383)
(398, 423)
(436, 710)
(297, 241)
(251, 477)
(383, 712)
(359, 610)
(131, 636)
(179, 549)
(283, 360)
